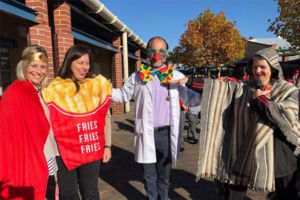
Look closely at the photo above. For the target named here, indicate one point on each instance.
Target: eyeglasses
(151, 52)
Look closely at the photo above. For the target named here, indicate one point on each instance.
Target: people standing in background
(298, 82)
(295, 76)
(245, 77)
(192, 116)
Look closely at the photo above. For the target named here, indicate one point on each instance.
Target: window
(5, 70)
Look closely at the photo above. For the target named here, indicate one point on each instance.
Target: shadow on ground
(122, 170)
(125, 127)
(182, 180)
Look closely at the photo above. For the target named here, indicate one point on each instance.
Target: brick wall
(42, 8)
(41, 34)
(63, 31)
(117, 75)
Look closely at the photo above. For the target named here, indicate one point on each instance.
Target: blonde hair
(24, 62)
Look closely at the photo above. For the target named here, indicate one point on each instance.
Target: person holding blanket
(250, 132)
(78, 107)
(156, 101)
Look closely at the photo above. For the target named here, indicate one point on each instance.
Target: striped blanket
(236, 145)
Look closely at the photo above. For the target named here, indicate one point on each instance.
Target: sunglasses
(151, 52)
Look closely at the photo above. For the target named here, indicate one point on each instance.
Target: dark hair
(72, 54)
(157, 37)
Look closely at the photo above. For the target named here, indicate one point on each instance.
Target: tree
(209, 40)
(287, 24)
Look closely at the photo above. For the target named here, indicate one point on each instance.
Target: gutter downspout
(125, 64)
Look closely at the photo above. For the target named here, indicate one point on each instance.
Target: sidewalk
(122, 179)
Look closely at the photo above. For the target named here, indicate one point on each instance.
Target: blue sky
(168, 18)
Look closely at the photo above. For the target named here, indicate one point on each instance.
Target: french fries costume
(78, 118)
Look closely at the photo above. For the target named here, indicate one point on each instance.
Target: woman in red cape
(24, 129)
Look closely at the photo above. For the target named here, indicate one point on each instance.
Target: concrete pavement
(121, 178)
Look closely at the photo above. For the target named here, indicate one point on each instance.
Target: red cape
(23, 133)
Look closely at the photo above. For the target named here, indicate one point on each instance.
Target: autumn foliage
(287, 24)
(209, 40)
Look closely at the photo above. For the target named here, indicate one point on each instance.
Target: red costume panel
(80, 137)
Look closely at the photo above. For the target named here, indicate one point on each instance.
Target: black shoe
(181, 149)
(196, 141)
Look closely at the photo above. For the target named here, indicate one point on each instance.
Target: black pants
(157, 174)
(87, 176)
(50, 192)
(285, 189)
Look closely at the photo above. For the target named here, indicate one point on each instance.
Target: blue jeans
(157, 174)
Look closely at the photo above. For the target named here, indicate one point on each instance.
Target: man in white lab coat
(156, 116)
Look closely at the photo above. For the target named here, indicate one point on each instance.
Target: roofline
(260, 43)
(101, 10)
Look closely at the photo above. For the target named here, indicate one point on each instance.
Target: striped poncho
(236, 145)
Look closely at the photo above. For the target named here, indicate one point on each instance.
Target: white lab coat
(144, 131)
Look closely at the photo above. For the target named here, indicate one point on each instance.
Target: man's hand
(224, 79)
(184, 108)
(179, 81)
(259, 92)
(106, 155)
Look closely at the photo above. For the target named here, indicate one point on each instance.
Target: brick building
(57, 25)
